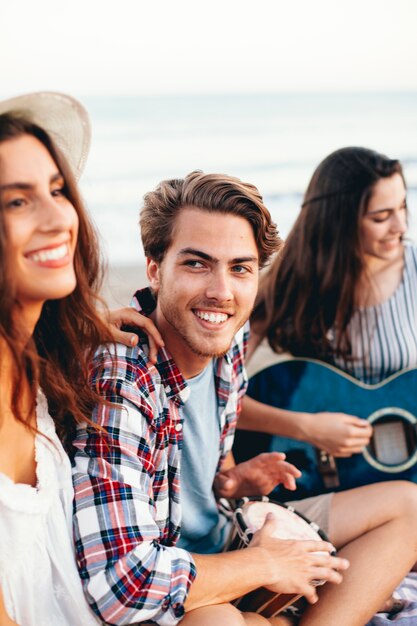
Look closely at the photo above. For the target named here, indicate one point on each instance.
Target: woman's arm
(336, 433)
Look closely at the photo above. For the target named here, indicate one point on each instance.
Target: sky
(129, 47)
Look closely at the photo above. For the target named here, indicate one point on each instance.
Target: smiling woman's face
(385, 221)
(41, 223)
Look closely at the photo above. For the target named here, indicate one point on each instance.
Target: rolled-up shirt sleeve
(125, 478)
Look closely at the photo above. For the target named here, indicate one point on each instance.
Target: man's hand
(337, 433)
(256, 477)
(130, 317)
(292, 565)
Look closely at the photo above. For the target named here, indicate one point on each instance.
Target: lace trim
(49, 454)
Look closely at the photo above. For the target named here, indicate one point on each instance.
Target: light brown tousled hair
(209, 192)
(69, 330)
(310, 288)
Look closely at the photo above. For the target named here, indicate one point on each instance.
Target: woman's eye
(16, 203)
(380, 217)
(58, 192)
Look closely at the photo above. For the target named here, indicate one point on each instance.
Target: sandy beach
(121, 283)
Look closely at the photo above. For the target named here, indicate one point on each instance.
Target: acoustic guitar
(307, 385)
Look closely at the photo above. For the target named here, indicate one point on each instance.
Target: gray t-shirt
(203, 530)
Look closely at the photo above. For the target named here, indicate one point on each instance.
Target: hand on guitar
(293, 564)
(337, 433)
(256, 477)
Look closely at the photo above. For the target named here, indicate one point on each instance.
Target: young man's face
(206, 285)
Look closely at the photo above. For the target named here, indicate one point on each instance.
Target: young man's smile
(212, 317)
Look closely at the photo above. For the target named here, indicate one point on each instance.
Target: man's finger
(289, 483)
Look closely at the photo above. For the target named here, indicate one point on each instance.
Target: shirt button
(178, 428)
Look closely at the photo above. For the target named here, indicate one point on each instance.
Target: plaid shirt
(127, 484)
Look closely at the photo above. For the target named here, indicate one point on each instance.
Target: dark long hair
(69, 330)
(310, 288)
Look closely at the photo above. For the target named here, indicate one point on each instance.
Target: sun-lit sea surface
(273, 141)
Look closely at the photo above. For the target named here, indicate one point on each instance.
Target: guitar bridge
(328, 469)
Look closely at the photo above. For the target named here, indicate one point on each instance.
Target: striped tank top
(384, 337)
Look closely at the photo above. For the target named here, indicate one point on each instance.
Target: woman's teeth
(51, 254)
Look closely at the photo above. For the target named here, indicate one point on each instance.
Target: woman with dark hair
(50, 274)
(342, 289)
(344, 253)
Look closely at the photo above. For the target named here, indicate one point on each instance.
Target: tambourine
(248, 517)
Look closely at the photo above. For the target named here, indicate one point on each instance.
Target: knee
(404, 498)
(399, 499)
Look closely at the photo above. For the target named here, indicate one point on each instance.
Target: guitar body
(312, 386)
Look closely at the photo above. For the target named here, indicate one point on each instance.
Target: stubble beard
(197, 344)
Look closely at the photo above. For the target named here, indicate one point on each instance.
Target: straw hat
(62, 117)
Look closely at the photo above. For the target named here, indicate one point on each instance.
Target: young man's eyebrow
(208, 257)
(245, 259)
(193, 252)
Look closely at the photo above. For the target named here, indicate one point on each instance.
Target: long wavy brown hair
(310, 288)
(69, 330)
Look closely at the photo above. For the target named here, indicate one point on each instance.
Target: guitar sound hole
(393, 441)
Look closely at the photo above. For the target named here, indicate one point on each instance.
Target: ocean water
(273, 141)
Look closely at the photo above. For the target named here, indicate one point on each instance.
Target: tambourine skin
(263, 601)
(313, 531)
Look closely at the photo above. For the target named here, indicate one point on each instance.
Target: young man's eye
(194, 263)
(240, 269)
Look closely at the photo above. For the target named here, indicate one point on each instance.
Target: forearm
(217, 581)
(282, 566)
(274, 421)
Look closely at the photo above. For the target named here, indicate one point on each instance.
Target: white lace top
(38, 573)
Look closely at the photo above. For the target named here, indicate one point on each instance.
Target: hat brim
(62, 117)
